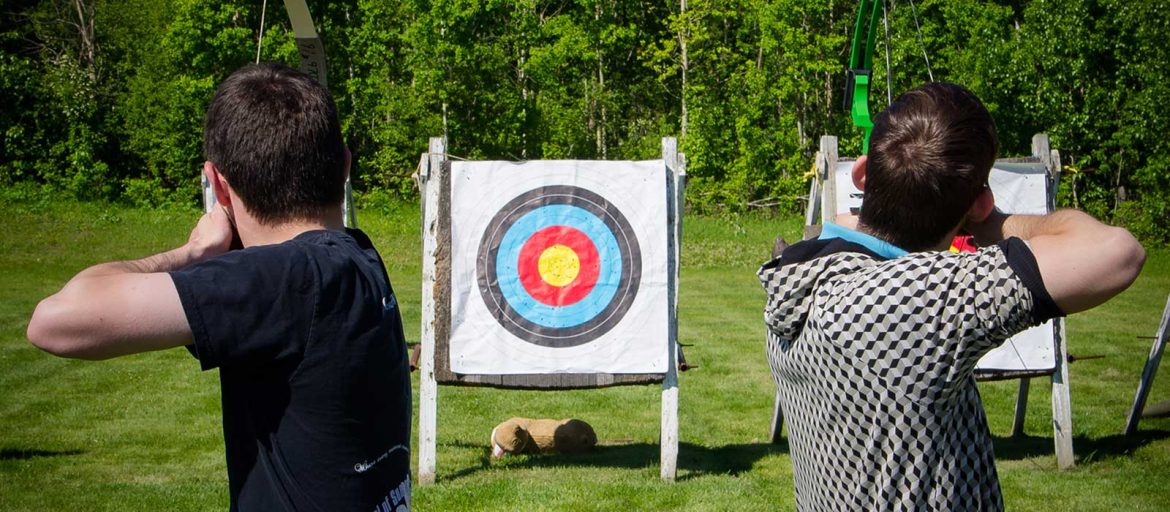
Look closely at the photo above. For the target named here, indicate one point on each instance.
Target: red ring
(528, 265)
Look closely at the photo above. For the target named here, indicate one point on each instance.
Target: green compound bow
(860, 72)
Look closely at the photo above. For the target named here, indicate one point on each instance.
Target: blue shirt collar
(878, 246)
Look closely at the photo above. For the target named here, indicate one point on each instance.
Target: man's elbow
(1128, 255)
(49, 330)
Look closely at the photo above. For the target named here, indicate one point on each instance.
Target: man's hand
(212, 236)
(989, 230)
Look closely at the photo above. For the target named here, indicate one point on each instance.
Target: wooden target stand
(1148, 373)
(434, 361)
(822, 207)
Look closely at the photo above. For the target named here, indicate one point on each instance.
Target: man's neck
(943, 245)
(253, 233)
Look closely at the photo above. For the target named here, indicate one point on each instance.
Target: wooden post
(828, 152)
(812, 210)
(1041, 149)
(668, 438)
(1061, 403)
(1021, 407)
(1148, 373)
(428, 388)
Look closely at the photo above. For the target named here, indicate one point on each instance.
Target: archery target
(558, 266)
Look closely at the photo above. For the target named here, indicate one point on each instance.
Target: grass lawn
(143, 432)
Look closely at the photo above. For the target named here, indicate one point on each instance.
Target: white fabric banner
(558, 267)
(1019, 188)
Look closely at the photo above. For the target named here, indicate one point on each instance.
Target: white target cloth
(1019, 188)
(559, 267)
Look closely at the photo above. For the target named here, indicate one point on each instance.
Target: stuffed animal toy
(524, 435)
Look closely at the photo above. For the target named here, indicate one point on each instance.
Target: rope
(917, 28)
(260, 40)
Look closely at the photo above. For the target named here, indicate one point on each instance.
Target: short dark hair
(929, 157)
(273, 133)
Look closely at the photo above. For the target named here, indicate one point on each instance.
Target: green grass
(143, 432)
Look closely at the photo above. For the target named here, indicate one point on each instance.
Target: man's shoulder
(318, 247)
(927, 269)
(814, 249)
(926, 275)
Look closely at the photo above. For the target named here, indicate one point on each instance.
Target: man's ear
(982, 207)
(859, 169)
(219, 184)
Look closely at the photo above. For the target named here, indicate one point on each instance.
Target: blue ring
(608, 278)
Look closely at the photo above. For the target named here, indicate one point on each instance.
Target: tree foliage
(105, 98)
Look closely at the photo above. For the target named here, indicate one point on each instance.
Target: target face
(558, 266)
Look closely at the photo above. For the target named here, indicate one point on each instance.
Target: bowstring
(922, 45)
(886, 41)
(260, 40)
(930, 73)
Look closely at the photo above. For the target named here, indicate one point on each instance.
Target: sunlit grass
(143, 432)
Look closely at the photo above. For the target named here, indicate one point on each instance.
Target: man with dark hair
(934, 151)
(301, 322)
(874, 333)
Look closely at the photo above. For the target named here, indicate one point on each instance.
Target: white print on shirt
(362, 467)
(398, 500)
(389, 303)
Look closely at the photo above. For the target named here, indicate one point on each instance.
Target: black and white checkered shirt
(874, 359)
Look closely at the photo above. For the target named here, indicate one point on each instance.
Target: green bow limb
(857, 77)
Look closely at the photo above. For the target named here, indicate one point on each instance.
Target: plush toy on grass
(524, 435)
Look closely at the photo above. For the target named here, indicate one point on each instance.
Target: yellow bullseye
(558, 265)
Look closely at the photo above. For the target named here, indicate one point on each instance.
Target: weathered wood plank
(1149, 372)
(428, 387)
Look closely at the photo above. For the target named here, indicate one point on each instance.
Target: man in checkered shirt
(874, 332)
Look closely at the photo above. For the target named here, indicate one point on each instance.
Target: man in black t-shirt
(300, 320)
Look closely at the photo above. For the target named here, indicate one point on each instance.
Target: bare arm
(1082, 261)
(125, 307)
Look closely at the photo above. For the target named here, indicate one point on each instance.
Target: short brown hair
(929, 157)
(273, 132)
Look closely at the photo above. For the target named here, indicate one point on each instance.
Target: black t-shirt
(316, 387)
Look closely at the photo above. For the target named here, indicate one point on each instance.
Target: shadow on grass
(695, 459)
(735, 459)
(1086, 449)
(32, 453)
